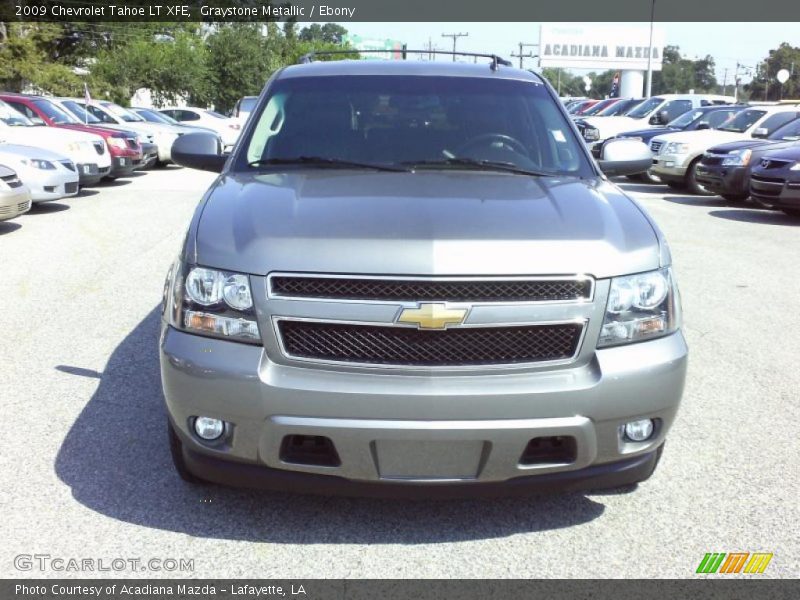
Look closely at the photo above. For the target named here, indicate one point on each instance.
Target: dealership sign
(597, 47)
(393, 48)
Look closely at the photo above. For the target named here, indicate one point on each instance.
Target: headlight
(212, 302)
(117, 142)
(737, 158)
(675, 148)
(38, 163)
(795, 167)
(641, 307)
(591, 134)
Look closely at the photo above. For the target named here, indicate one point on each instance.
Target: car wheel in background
(648, 177)
(691, 180)
(675, 185)
(735, 197)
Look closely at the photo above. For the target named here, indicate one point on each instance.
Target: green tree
(330, 33)
(25, 61)
(679, 74)
(765, 86)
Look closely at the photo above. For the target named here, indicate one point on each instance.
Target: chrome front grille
(425, 290)
(655, 146)
(100, 147)
(407, 346)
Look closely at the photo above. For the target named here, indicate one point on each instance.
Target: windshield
(103, 115)
(645, 108)
(789, 132)
(603, 104)
(619, 108)
(13, 118)
(401, 120)
(54, 113)
(122, 113)
(77, 110)
(685, 119)
(247, 103)
(743, 121)
(155, 117)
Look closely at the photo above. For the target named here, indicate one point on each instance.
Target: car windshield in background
(619, 108)
(789, 132)
(122, 113)
(743, 121)
(685, 119)
(13, 118)
(417, 122)
(645, 108)
(215, 114)
(54, 113)
(597, 108)
(81, 113)
(156, 117)
(247, 104)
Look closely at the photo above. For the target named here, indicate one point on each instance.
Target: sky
(728, 43)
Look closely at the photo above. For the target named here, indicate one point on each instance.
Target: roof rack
(496, 60)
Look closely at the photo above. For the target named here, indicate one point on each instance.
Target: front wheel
(692, 184)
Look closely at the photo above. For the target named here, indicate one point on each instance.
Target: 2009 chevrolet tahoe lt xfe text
(412, 278)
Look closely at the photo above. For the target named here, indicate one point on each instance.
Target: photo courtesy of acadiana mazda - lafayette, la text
(412, 278)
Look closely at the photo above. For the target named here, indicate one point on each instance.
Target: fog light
(208, 428)
(639, 431)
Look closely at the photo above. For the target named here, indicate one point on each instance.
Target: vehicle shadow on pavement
(766, 217)
(8, 227)
(116, 460)
(45, 208)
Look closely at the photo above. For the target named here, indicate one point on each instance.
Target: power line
(455, 37)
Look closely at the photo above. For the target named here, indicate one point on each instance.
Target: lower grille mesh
(368, 344)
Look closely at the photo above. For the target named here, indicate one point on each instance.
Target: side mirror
(703, 126)
(760, 132)
(199, 150)
(624, 156)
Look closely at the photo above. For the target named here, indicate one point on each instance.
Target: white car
(228, 129)
(48, 176)
(87, 150)
(114, 116)
(15, 197)
(658, 110)
(676, 155)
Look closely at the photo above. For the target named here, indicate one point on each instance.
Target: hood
(611, 126)
(787, 153)
(101, 130)
(20, 152)
(649, 133)
(703, 138)
(423, 223)
(51, 137)
(752, 143)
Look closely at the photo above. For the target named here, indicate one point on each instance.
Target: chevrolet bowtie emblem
(432, 316)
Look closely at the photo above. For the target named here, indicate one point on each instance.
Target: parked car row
(708, 144)
(50, 146)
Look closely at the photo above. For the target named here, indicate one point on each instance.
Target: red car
(124, 146)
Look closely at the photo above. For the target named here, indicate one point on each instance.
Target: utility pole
(766, 81)
(725, 83)
(520, 55)
(650, 51)
(455, 36)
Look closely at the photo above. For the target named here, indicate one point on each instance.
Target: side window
(775, 121)
(187, 115)
(718, 117)
(676, 108)
(99, 114)
(23, 109)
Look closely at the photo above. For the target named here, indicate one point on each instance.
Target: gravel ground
(85, 471)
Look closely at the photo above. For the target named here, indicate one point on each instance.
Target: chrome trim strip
(517, 365)
(423, 278)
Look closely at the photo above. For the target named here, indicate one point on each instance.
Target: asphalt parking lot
(85, 470)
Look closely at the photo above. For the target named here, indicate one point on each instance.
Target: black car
(775, 181)
(725, 169)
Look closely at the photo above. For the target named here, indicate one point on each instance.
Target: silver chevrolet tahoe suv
(412, 278)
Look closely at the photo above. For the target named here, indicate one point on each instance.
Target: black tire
(792, 212)
(692, 186)
(178, 461)
(637, 177)
(735, 197)
(674, 185)
(648, 177)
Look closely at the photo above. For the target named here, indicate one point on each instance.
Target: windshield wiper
(321, 161)
(481, 165)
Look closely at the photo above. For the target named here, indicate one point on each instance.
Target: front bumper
(49, 185)
(670, 167)
(90, 173)
(721, 180)
(422, 430)
(777, 190)
(14, 202)
(149, 155)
